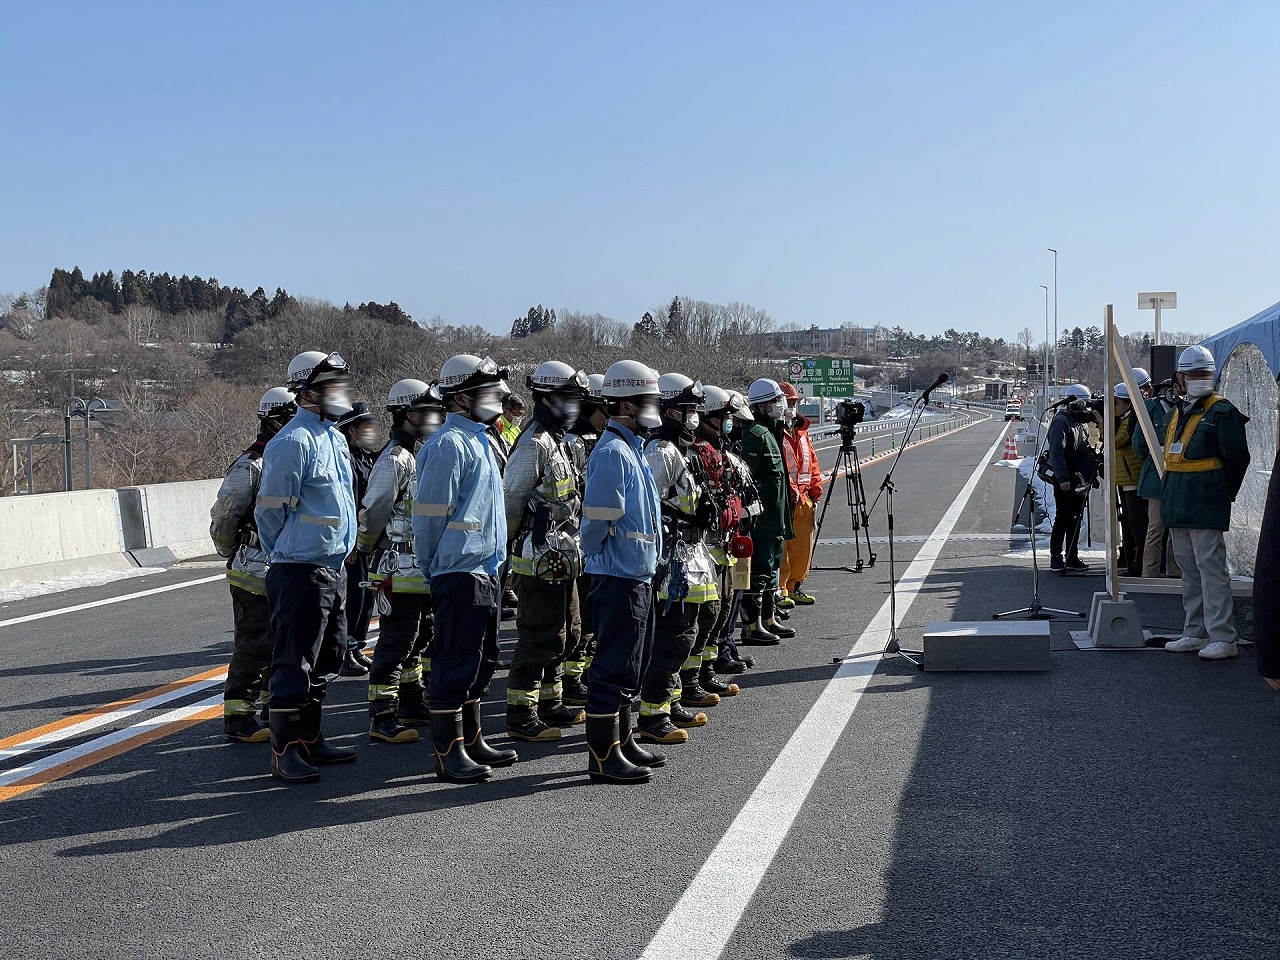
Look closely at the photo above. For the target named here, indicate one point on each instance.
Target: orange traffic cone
(1010, 449)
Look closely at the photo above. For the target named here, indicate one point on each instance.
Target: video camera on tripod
(848, 414)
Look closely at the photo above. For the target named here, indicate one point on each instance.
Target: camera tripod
(857, 500)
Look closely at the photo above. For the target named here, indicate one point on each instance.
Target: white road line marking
(9, 777)
(706, 916)
(102, 603)
(105, 719)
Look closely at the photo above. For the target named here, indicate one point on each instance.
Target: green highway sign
(823, 377)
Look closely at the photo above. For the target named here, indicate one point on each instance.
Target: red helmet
(788, 391)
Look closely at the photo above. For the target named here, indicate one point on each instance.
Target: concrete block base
(987, 645)
(1114, 623)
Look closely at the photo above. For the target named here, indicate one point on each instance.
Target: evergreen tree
(520, 328)
(647, 326)
(675, 331)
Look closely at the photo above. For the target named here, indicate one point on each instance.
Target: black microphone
(942, 378)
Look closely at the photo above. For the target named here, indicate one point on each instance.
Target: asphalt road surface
(1120, 806)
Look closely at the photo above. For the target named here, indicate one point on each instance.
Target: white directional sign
(1164, 301)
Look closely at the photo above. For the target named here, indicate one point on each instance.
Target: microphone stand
(891, 646)
(1035, 610)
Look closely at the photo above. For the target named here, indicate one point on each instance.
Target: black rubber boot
(605, 760)
(658, 728)
(631, 749)
(473, 737)
(245, 728)
(755, 633)
(558, 715)
(384, 726)
(692, 694)
(414, 711)
(453, 763)
(313, 742)
(288, 761)
(771, 624)
(708, 680)
(358, 655)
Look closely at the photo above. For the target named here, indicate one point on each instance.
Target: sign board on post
(824, 377)
(1161, 300)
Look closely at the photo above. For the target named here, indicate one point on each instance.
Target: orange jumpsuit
(805, 476)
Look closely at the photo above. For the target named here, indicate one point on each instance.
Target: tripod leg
(826, 502)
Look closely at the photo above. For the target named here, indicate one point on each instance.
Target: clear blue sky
(903, 163)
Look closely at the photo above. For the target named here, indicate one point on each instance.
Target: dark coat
(1202, 501)
(762, 453)
(1266, 582)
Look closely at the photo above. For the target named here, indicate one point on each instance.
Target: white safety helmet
(595, 382)
(555, 376)
(738, 406)
(300, 368)
(410, 394)
(627, 379)
(272, 402)
(763, 390)
(465, 372)
(1077, 390)
(1196, 357)
(1141, 377)
(716, 402)
(1121, 391)
(677, 390)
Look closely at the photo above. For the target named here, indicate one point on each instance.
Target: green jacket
(763, 455)
(1202, 500)
(1149, 480)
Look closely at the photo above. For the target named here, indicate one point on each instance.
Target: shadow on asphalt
(1120, 805)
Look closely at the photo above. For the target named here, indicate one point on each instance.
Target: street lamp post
(1055, 311)
(1045, 379)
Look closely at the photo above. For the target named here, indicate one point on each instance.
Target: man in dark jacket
(762, 451)
(1074, 469)
(1157, 555)
(1205, 461)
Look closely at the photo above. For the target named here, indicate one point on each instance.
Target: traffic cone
(1010, 448)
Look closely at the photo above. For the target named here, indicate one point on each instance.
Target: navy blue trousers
(623, 613)
(464, 652)
(308, 616)
(359, 603)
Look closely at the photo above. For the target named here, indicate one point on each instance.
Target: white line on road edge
(123, 735)
(102, 603)
(706, 916)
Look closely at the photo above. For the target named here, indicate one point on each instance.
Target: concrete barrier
(60, 535)
(165, 522)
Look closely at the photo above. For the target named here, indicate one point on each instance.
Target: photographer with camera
(1073, 470)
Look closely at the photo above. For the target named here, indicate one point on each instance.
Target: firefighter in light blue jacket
(235, 536)
(621, 540)
(460, 541)
(306, 516)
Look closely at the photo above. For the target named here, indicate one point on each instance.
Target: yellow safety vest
(1178, 462)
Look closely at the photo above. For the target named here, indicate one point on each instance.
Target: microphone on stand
(942, 378)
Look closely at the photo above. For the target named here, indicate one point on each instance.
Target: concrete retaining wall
(60, 535)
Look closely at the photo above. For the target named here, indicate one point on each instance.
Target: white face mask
(647, 416)
(485, 406)
(778, 410)
(691, 421)
(1199, 388)
(369, 439)
(336, 402)
(726, 426)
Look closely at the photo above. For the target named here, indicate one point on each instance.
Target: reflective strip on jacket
(306, 511)
(232, 528)
(459, 520)
(679, 491)
(621, 531)
(803, 470)
(542, 490)
(386, 521)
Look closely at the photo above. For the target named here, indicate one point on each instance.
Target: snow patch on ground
(42, 588)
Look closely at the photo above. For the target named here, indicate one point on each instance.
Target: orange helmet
(788, 391)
